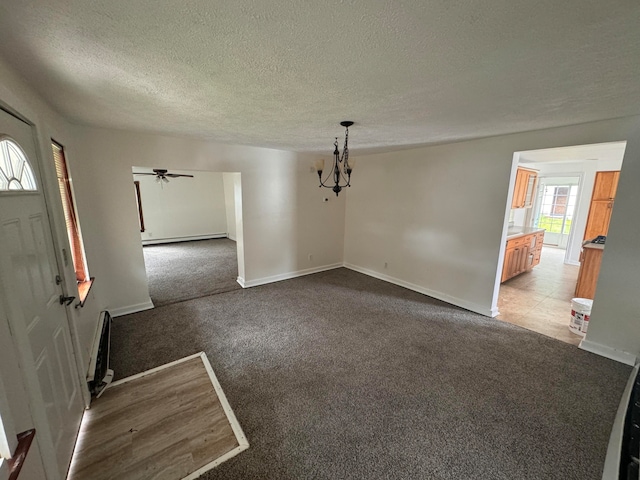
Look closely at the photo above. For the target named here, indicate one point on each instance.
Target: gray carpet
(341, 376)
(186, 270)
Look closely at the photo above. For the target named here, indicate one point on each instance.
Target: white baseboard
(139, 307)
(487, 312)
(231, 238)
(158, 241)
(608, 352)
(286, 276)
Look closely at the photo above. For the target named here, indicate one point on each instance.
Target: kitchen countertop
(515, 232)
(596, 246)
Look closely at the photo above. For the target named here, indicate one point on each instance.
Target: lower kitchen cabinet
(590, 260)
(522, 254)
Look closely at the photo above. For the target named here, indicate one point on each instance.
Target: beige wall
(184, 208)
(231, 181)
(436, 216)
(284, 218)
(17, 97)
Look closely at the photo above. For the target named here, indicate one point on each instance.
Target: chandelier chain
(345, 150)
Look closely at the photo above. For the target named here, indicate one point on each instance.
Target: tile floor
(540, 300)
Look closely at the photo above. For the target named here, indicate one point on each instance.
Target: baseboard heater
(100, 376)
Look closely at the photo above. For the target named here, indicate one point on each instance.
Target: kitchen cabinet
(522, 254)
(602, 199)
(523, 193)
(590, 260)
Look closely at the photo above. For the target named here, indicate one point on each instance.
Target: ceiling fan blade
(176, 175)
(143, 173)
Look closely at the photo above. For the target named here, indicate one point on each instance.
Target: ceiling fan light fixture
(162, 175)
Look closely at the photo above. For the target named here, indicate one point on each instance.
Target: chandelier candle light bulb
(341, 168)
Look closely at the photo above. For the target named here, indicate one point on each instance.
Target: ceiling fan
(162, 174)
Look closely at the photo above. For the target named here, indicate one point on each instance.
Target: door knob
(66, 300)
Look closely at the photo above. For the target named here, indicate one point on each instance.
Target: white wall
(283, 216)
(230, 180)
(183, 208)
(436, 216)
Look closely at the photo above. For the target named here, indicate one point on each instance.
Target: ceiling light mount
(341, 168)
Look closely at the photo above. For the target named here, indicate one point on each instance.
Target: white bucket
(580, 312)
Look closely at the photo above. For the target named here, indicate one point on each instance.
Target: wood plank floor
(164, 425)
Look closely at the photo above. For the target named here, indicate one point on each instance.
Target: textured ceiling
(283, 73)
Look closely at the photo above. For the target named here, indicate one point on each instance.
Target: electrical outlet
(386, 264)
(310, 257)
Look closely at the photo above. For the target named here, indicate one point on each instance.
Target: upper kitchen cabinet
(523, 192)
(604, 195)
(605, 186)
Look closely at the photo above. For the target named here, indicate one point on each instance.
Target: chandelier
(341, 169)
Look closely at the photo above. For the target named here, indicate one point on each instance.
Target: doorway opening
(190, 231)
(544, 242)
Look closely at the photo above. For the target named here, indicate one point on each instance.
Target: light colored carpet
(186, 270)
(169, 423)
(341, 376)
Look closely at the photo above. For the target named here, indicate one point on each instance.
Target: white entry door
(31, 295)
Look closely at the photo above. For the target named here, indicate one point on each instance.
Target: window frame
(72, 226)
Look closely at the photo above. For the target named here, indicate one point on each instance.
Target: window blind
(68, 205)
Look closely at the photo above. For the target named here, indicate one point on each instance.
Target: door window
(556, 211)
(15, 172)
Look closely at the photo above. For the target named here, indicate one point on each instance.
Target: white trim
(608, 352)
(243, 444)
(154, 370)
(231, 238)
(286, 276)
(138, 307)
(4, 469)
(497, 284)
(458, 302)
(157, 241)
(492, 312)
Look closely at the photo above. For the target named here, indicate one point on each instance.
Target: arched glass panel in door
(15, 171)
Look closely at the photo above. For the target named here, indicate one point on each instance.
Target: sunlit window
(15, 171)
